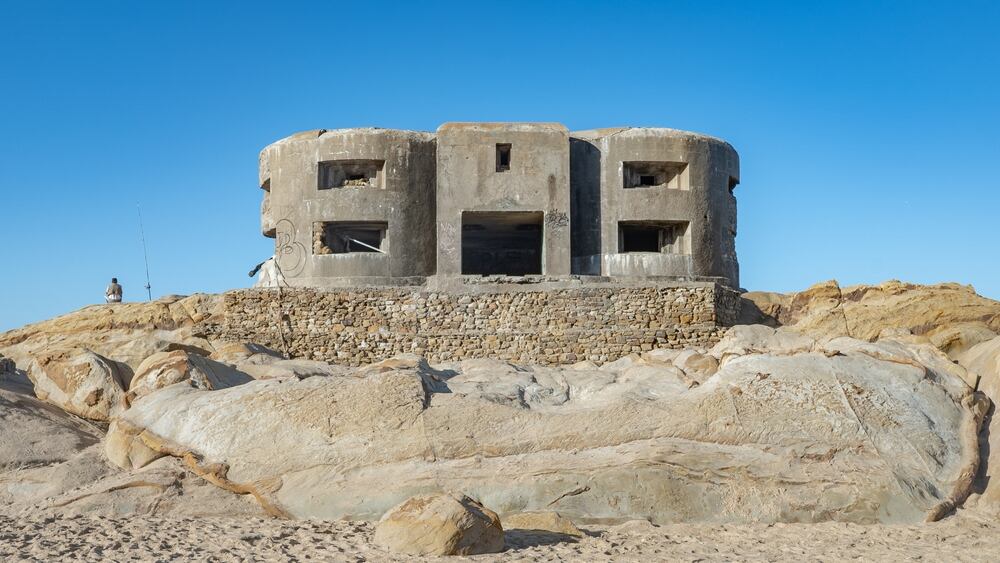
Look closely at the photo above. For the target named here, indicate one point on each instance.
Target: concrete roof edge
(503, 125)
(643, 132)
(313, 134)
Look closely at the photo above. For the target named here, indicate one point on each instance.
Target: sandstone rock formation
(863, 312)
(80, 382)
(34, 434)
(440, 524)
(166, 368)
(983, 364)
(124, 332)
(802, 431)
(546, 521)
(238, 352)
(52, 463)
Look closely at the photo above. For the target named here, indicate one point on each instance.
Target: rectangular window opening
(350, 174)
(503, 157)
(508, 243)
(661, 238)
(341, 237)
(671, 175)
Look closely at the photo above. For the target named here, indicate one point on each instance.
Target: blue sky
(867, 130)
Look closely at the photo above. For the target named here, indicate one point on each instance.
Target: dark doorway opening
(508, 243)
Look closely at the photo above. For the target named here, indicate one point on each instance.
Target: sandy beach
(967, 537)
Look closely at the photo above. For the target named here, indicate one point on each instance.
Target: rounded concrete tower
(653, 202)
(350, 206)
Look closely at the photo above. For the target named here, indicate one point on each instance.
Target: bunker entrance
(508, 243)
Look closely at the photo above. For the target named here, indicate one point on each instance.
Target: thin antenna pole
(145, 256)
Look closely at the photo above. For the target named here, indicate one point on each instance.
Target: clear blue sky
(868, 131)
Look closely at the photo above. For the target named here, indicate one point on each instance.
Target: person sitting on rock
(114, 292)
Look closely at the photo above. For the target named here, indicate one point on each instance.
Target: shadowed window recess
(508, 243)
(350, 174)
(503, 157)
(672, 175)
(340, 237)
(660, 237)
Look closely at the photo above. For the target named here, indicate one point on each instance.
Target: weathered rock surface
(288, 369)
(546, 521)
(843, 430)
(51, 463)
(440, 524)
(80, 382)
(33, 433)
(983, 364)
(7, 366)
(239, 352)
(124, 332)
(166, 368)
(863, 312)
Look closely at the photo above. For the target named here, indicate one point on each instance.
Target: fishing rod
(145, 256)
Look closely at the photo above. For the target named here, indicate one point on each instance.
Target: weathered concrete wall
(468, 180)
(700, 196)
(401, 197)
(562, 204)
(599, 322)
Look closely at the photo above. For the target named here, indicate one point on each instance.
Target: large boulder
(167, 368)
(440, 524)
(848, 430)
(80, 382)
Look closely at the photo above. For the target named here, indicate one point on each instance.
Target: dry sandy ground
(81, 538)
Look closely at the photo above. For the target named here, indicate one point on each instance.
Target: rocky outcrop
(124, 332)
(80, 382)
(33, 433)
(440, 524)
(166, 368)
(52, 463)
(864, 311)
(843, 430)
(983, 364)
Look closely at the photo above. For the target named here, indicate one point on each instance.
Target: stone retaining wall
(359, 326)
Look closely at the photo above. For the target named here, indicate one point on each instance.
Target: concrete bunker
(619, 202)
(504, 242)
(348, 237)
(672, 175)
(661, 237)
(351, 174)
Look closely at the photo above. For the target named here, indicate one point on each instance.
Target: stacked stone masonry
(359, 326)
